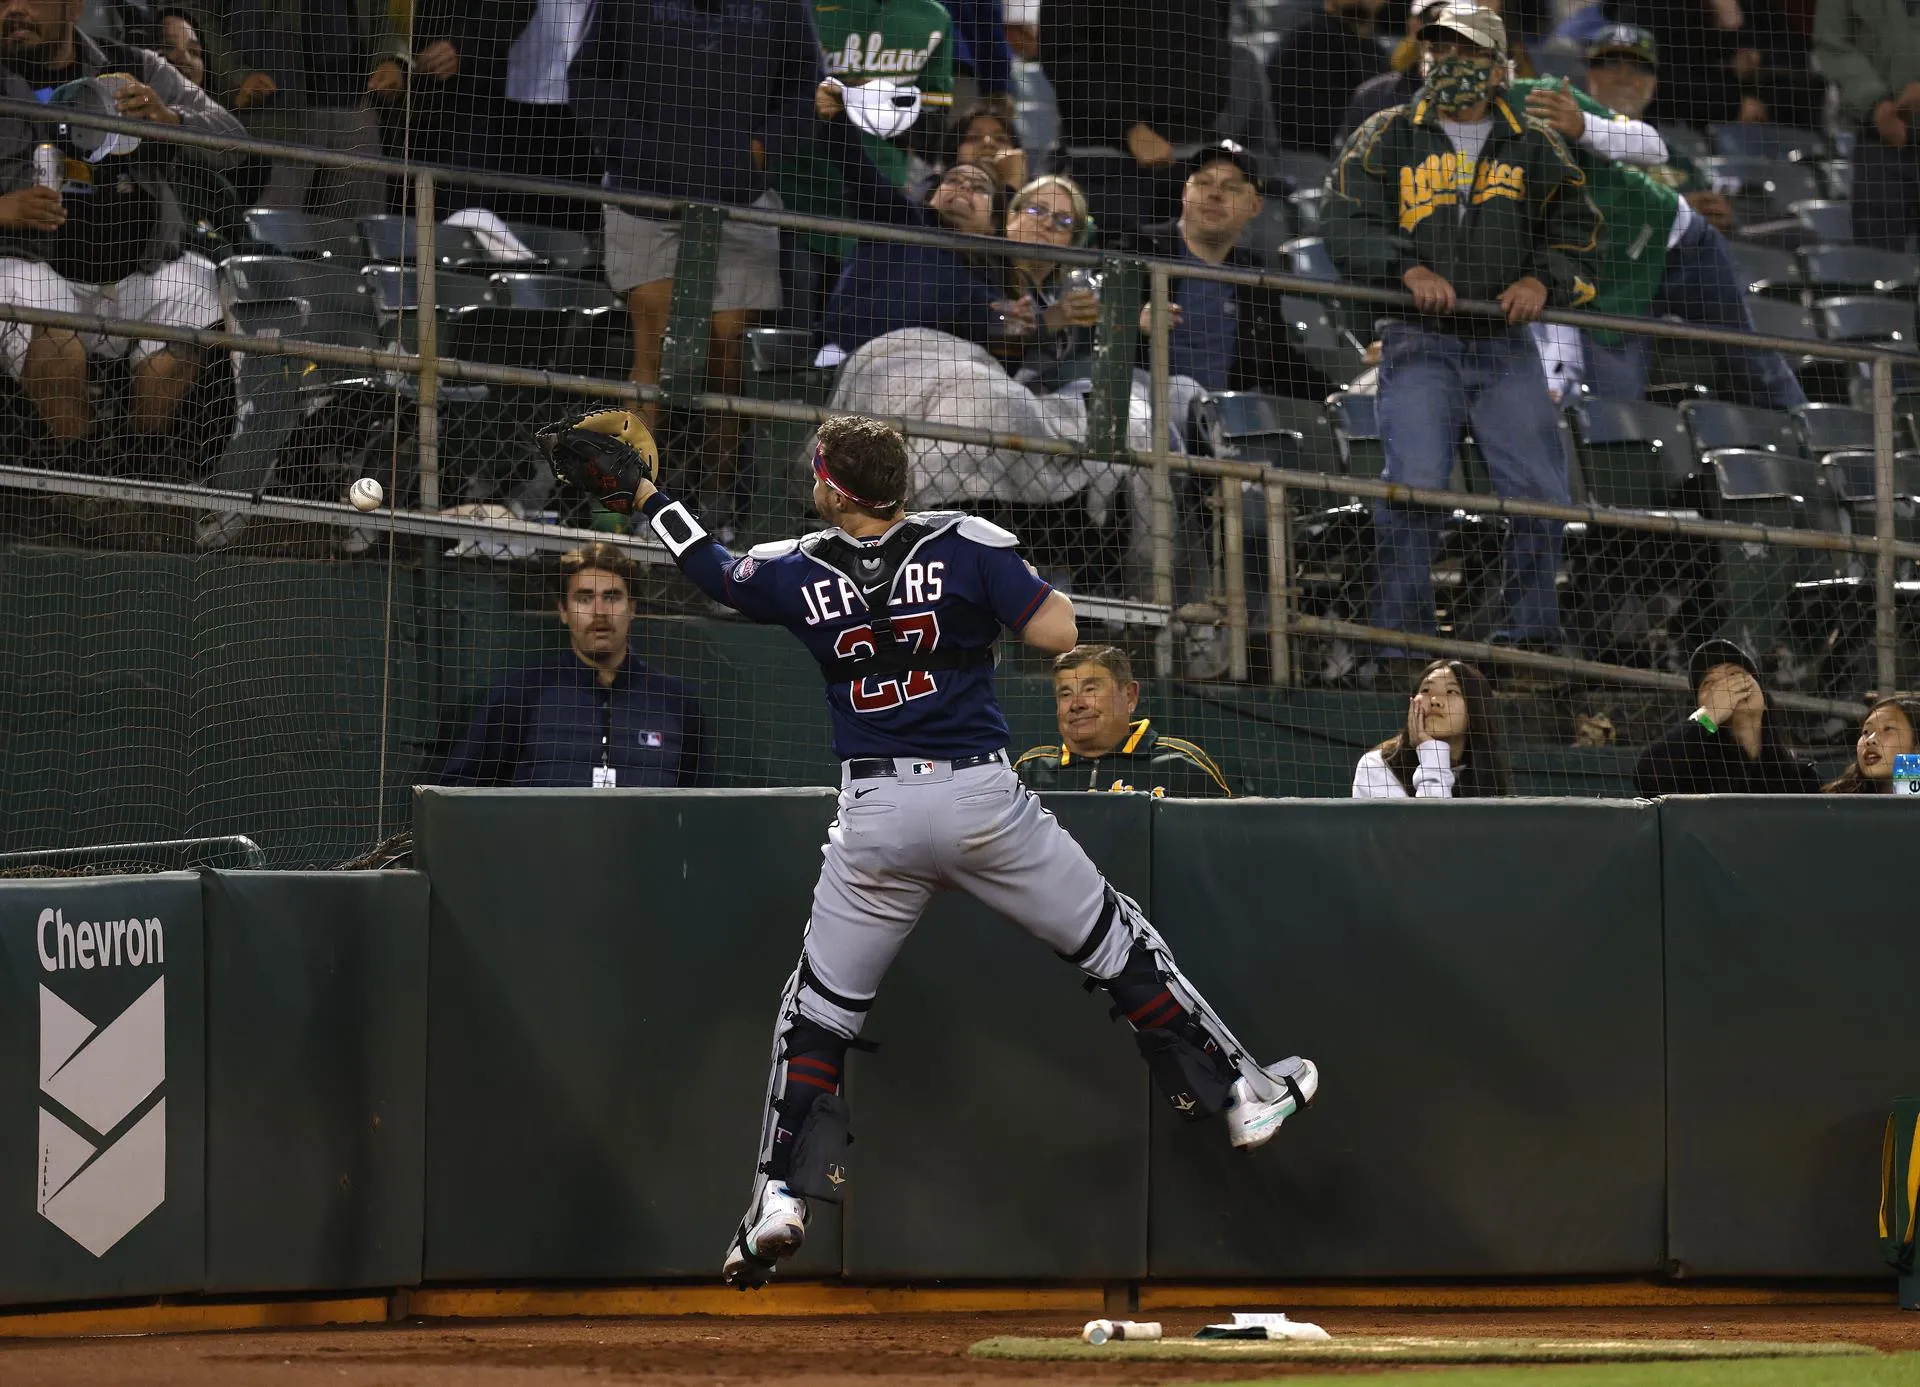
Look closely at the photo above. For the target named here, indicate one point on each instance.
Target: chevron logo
(103, 1134)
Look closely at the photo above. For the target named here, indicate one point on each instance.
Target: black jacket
(1263, 359)
(1312, 74)
(1146, 761)
(1115, 63)
(1692, 761)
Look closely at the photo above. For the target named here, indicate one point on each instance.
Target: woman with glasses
(1052, 307)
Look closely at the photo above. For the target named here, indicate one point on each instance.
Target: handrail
(978, 245)
(255, 858)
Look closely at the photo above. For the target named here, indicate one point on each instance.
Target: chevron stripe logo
(103, 1131)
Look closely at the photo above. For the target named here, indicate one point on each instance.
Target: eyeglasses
(1060, 221)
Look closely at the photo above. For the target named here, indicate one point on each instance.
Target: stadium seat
(1884, 322)
(395, 293)
(389, 240)
(334, 305)
(1850, 476)
(1778, 318)
(1320, 450)
(1248, 427)
(777, 350)
(303, 235)
(1300, 168)
(1715, 424)
(1356, 428)
(1306, 256)
(1767, 269)
(561, 250)
(1311, 330)
(1764, 188)
(1857, 269)
(565, 323)
(1828, 429)
(1631, 453)
(1306, 205)
(1755, 582)
(1266, 233)
(1837, 175)
(1827, 222)
(1764, 141)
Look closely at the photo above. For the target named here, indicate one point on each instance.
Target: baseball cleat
(775, 1228)
(1252, 1120)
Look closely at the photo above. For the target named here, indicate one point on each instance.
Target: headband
(820, 471)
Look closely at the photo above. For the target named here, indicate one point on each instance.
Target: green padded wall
(1002, 1128)
(605, 971)
(1791, 1026)
(102, 1096)
(316, 1079)
(1480, 984)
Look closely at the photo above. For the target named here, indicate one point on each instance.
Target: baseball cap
(1627, 41)
(1229, 151)
(1711, 654)
(1470, 22)
(882, 106)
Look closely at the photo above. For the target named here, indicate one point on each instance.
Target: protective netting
(1033, 233)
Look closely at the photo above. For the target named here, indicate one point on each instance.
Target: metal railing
(1284, 621)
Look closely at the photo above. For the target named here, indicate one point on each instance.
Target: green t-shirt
(907, 41)
(1637, 207)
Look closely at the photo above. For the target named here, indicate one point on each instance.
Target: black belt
(875, 767)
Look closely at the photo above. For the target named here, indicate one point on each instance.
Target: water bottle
(1906, 774)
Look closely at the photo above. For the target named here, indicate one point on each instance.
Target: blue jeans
(1431, 385)
(1701, 285)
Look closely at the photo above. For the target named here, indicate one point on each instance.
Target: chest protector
(871, 568)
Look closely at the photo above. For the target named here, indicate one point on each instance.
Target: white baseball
(366, 494)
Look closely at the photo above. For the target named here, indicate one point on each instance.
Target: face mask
(1455, 83)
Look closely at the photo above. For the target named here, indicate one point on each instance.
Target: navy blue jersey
(956, 590)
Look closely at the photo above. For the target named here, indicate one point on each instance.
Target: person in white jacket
(1450, 748)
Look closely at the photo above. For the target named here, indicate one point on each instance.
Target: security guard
(1103, 747)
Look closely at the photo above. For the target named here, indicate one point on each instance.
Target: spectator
(902, 43)
(1226, 336)
(1658, 256)
(1457, 197)
(1141, 86)
(688, 101)
(593, 716)
(308, 69)
(108, 243)
(1889, 731)
(179, 43)
(884, 287)
(1870, 51)
(1316, 69)
(984, 135)
(492, 93)
(1726, 746)
(1103, 747)
(1450, 748)
(1725, 61)
(1053, 307)
(1397, 85)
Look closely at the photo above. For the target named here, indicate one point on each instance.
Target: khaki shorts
(642, 251)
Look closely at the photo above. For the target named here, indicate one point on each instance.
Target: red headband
(820, 471)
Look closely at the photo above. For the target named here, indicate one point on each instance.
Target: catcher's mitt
(603, 452)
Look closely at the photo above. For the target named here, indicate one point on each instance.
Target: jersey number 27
(874, 694)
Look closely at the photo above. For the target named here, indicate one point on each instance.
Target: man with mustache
(592, 717)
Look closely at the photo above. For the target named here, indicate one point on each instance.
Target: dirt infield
(801, 1352)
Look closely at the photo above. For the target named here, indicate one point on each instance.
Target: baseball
(366, 494)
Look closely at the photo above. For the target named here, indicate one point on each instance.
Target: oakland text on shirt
(917, 583)
(866, 54)
(1434, 183)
